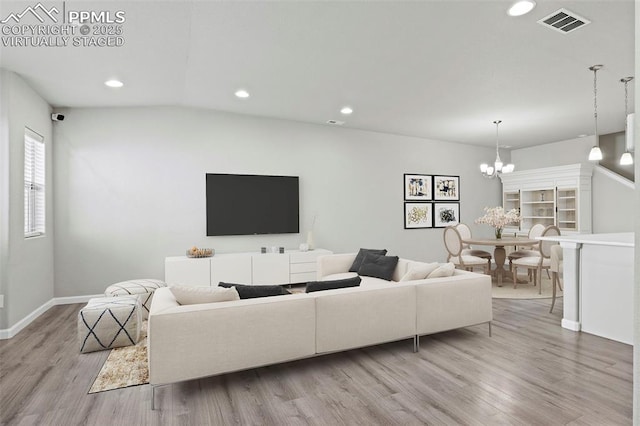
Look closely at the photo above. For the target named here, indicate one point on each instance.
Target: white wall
(636, 299)
(27, 264)
(130, 187)
(612, 202)
(553, 154)
(4, 193)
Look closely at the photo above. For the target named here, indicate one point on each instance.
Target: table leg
(499, 255)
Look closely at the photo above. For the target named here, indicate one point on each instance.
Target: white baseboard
(74, 299)
(8, 333)
(570, 325)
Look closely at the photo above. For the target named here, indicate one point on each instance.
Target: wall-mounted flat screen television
(252, 204)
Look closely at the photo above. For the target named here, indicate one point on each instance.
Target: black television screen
(252, 204)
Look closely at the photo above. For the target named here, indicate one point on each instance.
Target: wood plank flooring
(531, 372)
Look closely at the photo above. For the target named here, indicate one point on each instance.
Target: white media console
(292, 266)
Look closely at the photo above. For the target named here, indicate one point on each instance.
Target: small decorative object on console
(200, 252)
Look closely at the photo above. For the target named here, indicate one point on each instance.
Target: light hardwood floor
(530, 372)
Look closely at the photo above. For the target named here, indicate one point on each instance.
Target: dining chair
(454, 246)
(467, 250)
(534, 232)
(537, 263)
(556, 270)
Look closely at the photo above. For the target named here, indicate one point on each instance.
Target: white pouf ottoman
(109, 322)
(143, 287)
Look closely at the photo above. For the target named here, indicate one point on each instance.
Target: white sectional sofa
(193, 341)
(441, 304)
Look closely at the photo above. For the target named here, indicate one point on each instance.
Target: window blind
(34, 184)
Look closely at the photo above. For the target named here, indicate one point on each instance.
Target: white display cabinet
(558, 196)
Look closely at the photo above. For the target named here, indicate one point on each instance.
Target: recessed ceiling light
(241, 93)
(521, 7)
(114, 83)
(346, 110)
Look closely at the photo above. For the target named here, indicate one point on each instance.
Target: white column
(571, 289)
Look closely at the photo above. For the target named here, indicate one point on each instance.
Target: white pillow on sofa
(445, 270)
(419, 271)
(189, 295)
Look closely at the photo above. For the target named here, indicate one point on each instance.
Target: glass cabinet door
(566, 209)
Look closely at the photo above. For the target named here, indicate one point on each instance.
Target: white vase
(310, 243)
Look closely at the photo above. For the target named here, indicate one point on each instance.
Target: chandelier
(498, 167)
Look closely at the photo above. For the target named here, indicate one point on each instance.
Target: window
(34, 184)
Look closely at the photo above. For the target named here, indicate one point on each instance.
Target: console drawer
(303, 277)
(297, 268)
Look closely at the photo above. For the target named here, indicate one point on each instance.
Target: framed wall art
(418, 215)
(418, 187)
(446, 214)
(446, 188)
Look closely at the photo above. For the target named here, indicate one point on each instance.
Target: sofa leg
(489, 328)
(416, 343)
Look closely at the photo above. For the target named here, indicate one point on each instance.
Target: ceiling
(440, 70)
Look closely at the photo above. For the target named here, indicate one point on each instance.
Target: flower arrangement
(498, 218)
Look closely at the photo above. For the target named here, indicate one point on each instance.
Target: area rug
(523, 290)
(125, 367)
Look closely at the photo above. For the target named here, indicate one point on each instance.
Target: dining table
(499, 252)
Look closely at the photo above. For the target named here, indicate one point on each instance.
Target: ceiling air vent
(564, 21)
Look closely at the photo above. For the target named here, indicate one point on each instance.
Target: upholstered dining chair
(537, 263)
(556, 270)
(454, 246)
(534, 232)
(465, 233)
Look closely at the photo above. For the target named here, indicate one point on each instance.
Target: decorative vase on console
(499, 233)
(310, 240)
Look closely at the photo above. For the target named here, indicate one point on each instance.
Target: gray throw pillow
(357, 262)
(332, 284)
(253, 291)
(378, 266)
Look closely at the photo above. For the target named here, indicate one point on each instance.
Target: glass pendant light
(627, 158)
(595, 154)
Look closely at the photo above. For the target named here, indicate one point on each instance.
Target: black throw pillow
(253, 291)
(332, 284)
(378, 266)
(355, 267)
